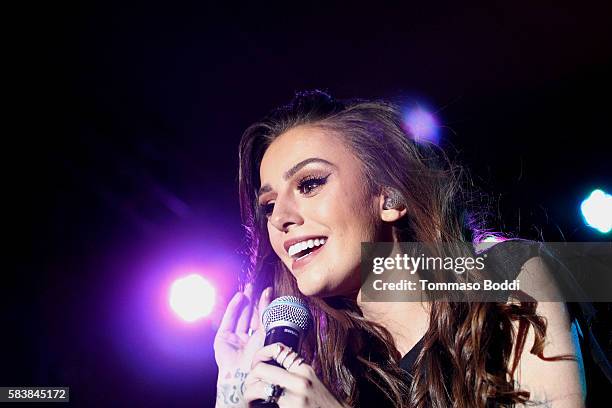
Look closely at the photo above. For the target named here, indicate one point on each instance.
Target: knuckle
(304, 401)
(219, 335)
(304, 386)
(309, 371)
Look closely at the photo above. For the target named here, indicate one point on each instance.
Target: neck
(406, 321)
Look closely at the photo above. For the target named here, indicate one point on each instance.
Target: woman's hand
(234, 348)
(301, 386)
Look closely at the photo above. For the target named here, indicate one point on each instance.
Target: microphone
(286, 320)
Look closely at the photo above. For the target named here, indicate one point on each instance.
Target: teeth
(300, 246)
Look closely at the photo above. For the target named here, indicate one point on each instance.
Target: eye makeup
(311, 182)
(305, 186)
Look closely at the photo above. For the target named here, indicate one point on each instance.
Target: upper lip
(292, 241)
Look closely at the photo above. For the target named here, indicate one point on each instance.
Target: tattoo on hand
(231, 394)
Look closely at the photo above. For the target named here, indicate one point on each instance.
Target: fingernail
(268, 291)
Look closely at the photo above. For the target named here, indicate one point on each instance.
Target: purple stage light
(163, 314)
(192, 297)
(422, 125)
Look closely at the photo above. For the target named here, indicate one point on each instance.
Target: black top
(371, 396)
(407, 362)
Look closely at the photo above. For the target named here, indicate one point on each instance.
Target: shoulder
(505, 257)
(560, 382)
(556, 383)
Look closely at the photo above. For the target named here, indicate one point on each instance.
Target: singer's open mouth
(304, 256)
(303, 248)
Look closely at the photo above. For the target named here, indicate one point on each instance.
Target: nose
(285, 214)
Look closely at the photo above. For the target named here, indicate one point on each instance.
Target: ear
(391, 206)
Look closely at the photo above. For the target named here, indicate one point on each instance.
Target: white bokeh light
(192, 297)
(597, 211)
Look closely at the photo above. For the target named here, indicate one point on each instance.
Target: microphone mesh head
(289, 309)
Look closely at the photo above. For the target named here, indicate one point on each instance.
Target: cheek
(339, 275)
(350, 220)
(276, 241)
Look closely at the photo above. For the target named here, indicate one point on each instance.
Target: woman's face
(313, 191)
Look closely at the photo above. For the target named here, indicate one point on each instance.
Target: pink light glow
(422, 125)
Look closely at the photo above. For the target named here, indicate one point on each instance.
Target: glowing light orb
(192, 297)
(422, 125)
(597, 211)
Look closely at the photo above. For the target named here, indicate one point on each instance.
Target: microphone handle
(283, 334)
(290, 338)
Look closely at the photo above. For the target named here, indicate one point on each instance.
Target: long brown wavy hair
(465, 359)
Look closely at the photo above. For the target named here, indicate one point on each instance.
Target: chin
(310, 287)
(317, 282)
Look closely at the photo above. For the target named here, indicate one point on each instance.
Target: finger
(275, 375)
(230, 317)
(291, 359)
(258, 390)
(267, 353)
(265, 302)
(284, 355)
(300, 367)
(255, 324)
(245, 316)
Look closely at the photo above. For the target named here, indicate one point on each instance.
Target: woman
(345, 173)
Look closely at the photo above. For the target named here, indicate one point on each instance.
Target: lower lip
(300, 263)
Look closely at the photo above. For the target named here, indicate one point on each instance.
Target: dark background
(121, 153)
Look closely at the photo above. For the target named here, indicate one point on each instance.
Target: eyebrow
(291, 172)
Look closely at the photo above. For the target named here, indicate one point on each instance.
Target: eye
(309, 183)
(266, 209)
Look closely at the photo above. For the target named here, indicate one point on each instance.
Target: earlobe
(393, 214)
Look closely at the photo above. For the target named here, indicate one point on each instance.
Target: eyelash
(319, 181)
(266, 209)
